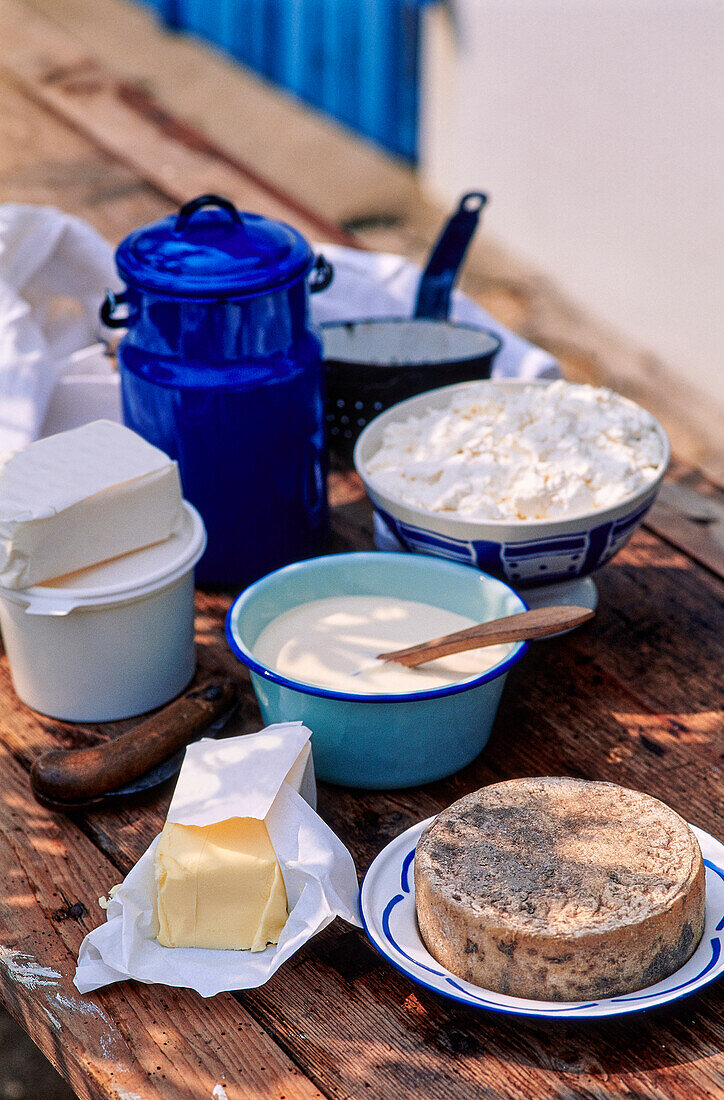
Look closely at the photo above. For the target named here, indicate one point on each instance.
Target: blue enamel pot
(221, 369)
(379, 741)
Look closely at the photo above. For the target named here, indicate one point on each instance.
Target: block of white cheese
(219, 885)
(82, 497)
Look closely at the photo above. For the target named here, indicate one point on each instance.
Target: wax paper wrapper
(257, 775)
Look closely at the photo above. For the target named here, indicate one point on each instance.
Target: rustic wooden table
(632, 698)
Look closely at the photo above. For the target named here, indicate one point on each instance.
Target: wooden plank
(342, 173)
(338, 989)
(129, 1040)
(658, 630)
(633, 703)
(689, 514)
(127, 122)
(45, 162)
(424, 1046)
(359, 1026)
(691, 536)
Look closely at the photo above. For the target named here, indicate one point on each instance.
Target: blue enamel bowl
(379, 741)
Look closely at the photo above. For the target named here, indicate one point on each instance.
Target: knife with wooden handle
(71, 778)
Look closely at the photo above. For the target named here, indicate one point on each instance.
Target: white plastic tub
(111, 641)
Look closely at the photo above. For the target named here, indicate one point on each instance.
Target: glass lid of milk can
(209, 249)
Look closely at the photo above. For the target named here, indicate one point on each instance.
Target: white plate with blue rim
(387, 904)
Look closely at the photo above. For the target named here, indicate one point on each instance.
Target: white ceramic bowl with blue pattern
(526, 553)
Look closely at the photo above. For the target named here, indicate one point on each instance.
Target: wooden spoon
(513, 628)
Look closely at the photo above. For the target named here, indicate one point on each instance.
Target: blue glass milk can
(220, 369)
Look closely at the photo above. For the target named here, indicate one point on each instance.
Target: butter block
(219, 886)
(82, 497)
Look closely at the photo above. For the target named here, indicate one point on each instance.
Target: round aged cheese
(559, 889)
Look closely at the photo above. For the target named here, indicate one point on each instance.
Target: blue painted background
(355, 59)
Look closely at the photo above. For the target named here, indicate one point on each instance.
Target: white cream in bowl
(324, 642)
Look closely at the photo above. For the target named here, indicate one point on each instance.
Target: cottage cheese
(520, 453)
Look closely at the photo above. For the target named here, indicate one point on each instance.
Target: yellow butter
(219, 886)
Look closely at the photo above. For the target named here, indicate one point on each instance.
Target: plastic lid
(210, 249)
(119, 579)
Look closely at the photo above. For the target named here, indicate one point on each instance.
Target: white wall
(596, 126)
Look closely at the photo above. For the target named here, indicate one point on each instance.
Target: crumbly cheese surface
(524, 453)
(559, 855)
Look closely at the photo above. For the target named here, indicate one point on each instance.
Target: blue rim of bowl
(327, 693)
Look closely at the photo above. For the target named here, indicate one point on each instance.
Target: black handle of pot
(321, 275)
(188, 209)
(108, 309)
(438, 278)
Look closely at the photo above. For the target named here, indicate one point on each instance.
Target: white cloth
(380, 284)
(53, 271)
